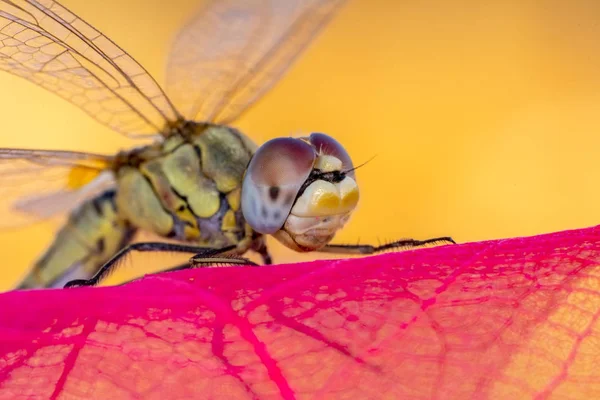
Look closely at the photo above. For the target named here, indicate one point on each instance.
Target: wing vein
(246, 78)
(232, 52)
(69, 48)
(47, 44)
(40, 184)
(128, 79)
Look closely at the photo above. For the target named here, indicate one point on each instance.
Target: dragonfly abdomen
(93, 233)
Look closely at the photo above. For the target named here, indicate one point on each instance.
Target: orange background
(484, 117)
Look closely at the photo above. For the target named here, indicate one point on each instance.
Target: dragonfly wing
(39, 184)
(45, 43)
(233, 51)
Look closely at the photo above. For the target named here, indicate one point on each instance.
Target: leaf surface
(514, 318)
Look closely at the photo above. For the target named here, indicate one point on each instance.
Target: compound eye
(272, 182)
(325, 144)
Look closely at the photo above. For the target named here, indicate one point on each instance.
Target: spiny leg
(202, 255)
(259, 245)
(369, 249)
(178, 267)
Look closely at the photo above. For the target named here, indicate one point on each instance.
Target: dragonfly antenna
(361, 165)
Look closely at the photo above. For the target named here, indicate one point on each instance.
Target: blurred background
(483, 117)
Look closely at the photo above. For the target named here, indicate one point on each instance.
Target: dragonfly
(197, 182)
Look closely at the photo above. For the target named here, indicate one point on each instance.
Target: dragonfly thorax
(189, 185)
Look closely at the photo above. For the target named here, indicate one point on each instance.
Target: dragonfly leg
(203, 260)
(259, 245)
(264, 253)
(202, 256)
(369, 249)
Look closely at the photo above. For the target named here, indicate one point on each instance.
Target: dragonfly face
(300, 190)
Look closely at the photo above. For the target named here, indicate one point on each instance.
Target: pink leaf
(508, 319)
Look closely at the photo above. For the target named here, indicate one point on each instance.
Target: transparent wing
(233, 51)
(39, 184)
(47, 44)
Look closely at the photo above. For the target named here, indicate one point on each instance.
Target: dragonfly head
(300, 190)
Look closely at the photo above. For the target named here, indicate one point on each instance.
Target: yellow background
(484, 117)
